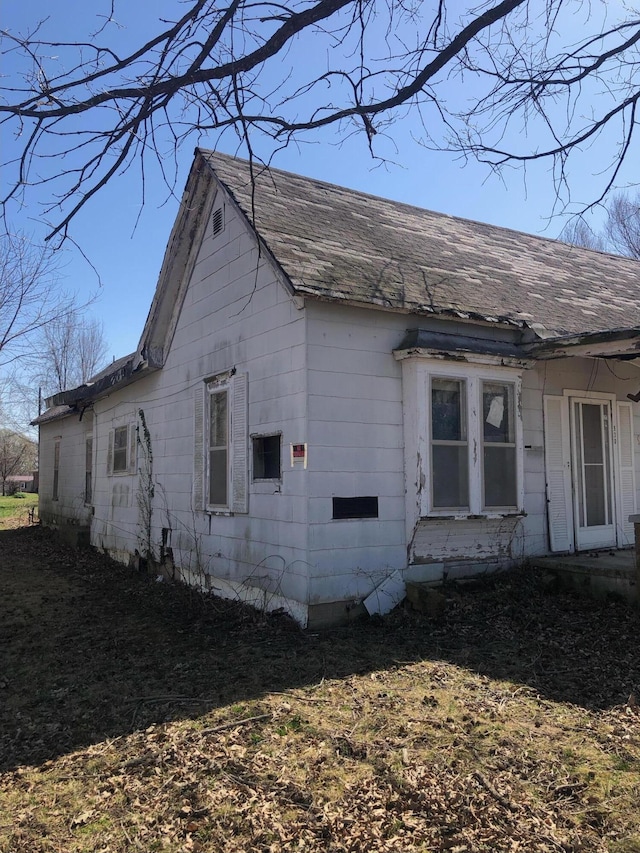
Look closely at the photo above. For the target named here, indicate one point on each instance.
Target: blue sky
(125, 243)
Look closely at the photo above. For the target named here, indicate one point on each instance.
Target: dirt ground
(138, 715)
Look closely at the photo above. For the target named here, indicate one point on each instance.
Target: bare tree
(30, 296)
(91, 350)
(622, 227)
(18, 402)
(18, 455)
(70, 351)
(621, 231)
(479, 75)
(578, 233)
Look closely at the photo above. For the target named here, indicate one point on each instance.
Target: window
(221, 457)
(120, 442)
(449, 446)
(498, 445)
(88, 469)
(473, 444)
(267, 457)
(56, 468)
(218, 447)
(121, 458)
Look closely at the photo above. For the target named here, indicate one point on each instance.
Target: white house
(331, 388)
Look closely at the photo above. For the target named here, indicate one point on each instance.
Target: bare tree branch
(29, 294)
(480, 76)
(69, 352)
(621, 231)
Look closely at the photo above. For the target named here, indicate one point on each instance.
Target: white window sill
(470, 516)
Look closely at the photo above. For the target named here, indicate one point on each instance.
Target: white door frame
(603, 535)
(559, 469)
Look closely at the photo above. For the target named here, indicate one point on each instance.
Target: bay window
(471, 434)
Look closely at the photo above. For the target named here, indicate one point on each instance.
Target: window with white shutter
(220, 476)
(121, 453)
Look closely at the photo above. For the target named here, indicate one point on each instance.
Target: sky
(123, 242)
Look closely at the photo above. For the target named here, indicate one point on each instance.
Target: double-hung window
(56, 469)
(220, 475)
(121, 454)
(499, 468)
(449, 444)
(88, 469)
(218, 447)
(474, 444)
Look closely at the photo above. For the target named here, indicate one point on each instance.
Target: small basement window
(360, 507)
(267, 457)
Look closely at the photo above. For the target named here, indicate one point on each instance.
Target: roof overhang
(613, 343)
(440, 345)
(55, 413)
(114, 380)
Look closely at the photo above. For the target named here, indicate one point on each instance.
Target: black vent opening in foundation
(360, 507)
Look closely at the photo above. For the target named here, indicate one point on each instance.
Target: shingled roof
(338, 244)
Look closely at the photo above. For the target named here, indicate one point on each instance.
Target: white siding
(356, 448)
(236, 315)
(70, 507)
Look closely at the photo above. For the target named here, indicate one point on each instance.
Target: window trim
(130, 451)
(238, 443)
(472, 376)
(217, 386)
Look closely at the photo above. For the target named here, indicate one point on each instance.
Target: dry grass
(137, 716)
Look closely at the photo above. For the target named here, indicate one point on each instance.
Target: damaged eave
(402, 306)
(120, 378)
(615, 343)
(53, 413)
(422, 343)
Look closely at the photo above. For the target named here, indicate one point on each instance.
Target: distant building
(21, 483)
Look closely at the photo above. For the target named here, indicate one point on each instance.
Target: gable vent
(218, 221)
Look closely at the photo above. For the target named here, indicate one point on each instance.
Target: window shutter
(198, 448)
(110, 452)
(626, 478)
(132, 448)
(239, 444)
(558, 473)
